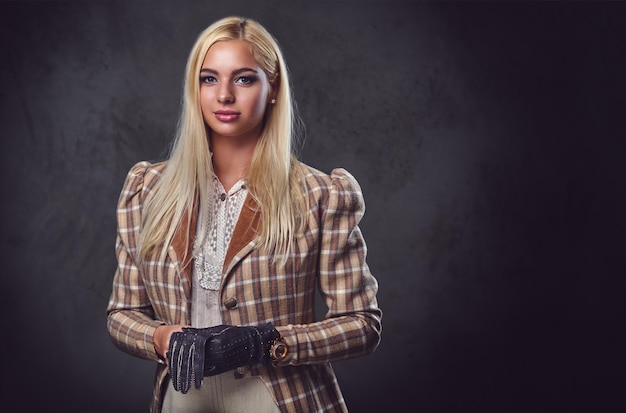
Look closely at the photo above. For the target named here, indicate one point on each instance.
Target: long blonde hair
(275, 179)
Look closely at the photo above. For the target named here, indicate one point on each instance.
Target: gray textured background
(488, 141)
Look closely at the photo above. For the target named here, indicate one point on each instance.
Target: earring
(273, 101)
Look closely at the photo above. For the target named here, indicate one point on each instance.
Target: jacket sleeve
(352, 326)
(130, 316)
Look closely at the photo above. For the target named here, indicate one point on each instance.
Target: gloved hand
(196, 353)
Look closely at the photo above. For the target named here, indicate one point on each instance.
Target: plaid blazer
(330, 255)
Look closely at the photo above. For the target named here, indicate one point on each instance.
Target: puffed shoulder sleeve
(352, 326)
(345, 279)
(130, 317)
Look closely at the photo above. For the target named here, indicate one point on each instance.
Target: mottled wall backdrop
(487, 140)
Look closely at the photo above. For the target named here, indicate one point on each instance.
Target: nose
(225, 95)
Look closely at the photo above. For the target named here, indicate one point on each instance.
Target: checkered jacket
(330, 255)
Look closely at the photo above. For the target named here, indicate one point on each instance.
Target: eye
(245, 80)
(207, 79)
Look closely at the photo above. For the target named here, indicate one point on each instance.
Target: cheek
(204, 101)
(203, 96)
(260, 106)
(260, 103)
(260, 96)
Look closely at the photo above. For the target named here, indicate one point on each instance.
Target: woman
(221, 247)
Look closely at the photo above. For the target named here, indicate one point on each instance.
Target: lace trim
(210, 261)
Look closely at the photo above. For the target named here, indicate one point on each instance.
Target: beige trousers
(222, 394)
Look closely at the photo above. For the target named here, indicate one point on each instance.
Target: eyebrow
(234, 72)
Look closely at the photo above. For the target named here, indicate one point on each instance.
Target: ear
(271, 96)
(274, 84)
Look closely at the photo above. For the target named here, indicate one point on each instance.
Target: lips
(226, 115)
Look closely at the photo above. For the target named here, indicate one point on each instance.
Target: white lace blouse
(208, 265)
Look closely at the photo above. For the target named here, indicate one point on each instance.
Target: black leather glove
(195, 353)
(185, 357)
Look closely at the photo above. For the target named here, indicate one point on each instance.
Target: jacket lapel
(182, 244)
(245, 232)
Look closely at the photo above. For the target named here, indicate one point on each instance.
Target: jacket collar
(245, 232)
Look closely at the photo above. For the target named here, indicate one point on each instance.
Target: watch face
(279, 351)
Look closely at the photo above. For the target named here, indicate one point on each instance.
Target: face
(234, 91)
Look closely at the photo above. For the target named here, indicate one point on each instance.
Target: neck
(231, 159)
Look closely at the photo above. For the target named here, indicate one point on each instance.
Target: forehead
(230, 54)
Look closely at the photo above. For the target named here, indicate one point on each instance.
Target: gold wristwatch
(278, 350)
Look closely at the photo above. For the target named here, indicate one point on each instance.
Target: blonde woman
(220, 248)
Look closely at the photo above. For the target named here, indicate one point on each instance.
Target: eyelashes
(241, 80)
(246, 80)
(207, 79)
